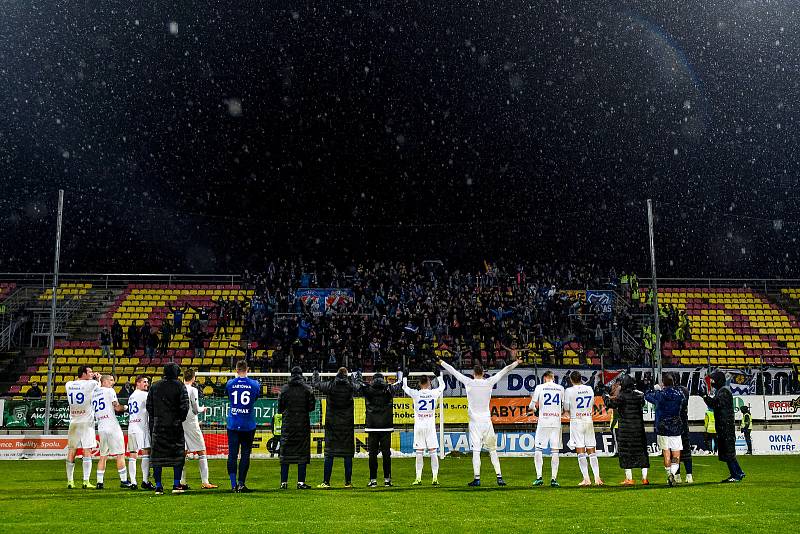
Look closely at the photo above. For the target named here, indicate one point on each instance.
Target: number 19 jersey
(79, 396)
(550, 397)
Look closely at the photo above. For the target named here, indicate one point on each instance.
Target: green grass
(34, 498)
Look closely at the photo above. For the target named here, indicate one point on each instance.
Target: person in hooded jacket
(722, 404)
(339, 426)
(167, 407)
(668, 402)
(626, 400)
(295, 403)
(378, 397)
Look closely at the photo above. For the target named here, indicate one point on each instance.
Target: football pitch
(34, 498)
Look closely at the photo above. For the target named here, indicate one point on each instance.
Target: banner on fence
(33, 447)
(773, 381)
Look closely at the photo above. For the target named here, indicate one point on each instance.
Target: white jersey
(550, 397)
(194, 408)
(138, 419)
(579, 402)
(103, 403)
(424, 402)
(479, 392)
(79, 396)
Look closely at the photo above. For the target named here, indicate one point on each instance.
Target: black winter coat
(722, 404)
(295, 402)
(686, 453)
(167, 405)
(631, 437)
(339, 428)
(378, 397)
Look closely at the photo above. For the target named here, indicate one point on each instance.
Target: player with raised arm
(579, 403)
(112, 441)
(547, 402)
(242, 394)
(481, 431)
(192, 435)
(139, 433)
(424, 400)
(81, 423)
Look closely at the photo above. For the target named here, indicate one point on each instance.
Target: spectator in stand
(166, 337)
(199, 344)
(116, 335)
(152, 344)
(144, 334)
(126, 390)
(105, 343)
(177, 316)
(34, 393)
(133, 338)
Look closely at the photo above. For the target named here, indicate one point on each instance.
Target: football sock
(476, 463)
(668, 470)
(101, 476)
(495, 462)
(123, 474)
(157, 476)
(145, 469)
(132, 470)
(644, 473)
(674, 467)
(420, 460)
(70, 471)
(176, 475)
(204, 469)
(554, 461)
(584, 466)
(87, 468)
(629, 474)
(595, 465)
(538, 461)
(435, 465)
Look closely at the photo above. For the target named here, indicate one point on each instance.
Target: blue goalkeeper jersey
(242, 395)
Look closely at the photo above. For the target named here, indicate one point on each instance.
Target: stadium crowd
(398, 310)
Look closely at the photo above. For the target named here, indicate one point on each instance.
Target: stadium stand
(66, 291)
(732, 327)
(137, 305)
(6, 288)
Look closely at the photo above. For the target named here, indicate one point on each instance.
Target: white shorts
(482, 436)
(81, 436)
(548, 437)
(138, 441)
(425, 437)
(673, 443)
(193, 437)
(112, 443)
(581, 435)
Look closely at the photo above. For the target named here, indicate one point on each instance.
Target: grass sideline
(34, 498)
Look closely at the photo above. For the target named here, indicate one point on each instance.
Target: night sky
(207, 137)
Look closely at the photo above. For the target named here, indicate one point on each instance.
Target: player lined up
(92, 399)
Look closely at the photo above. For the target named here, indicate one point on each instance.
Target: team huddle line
(164, 427)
